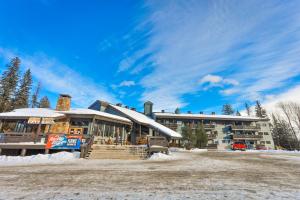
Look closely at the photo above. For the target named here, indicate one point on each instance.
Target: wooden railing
(15, 137)
(86, 147)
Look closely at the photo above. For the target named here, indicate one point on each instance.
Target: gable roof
(143, 119)
(25, 113)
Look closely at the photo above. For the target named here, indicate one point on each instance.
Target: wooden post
(38, 130)
(23, 152)
(1, 122)
(47, 151)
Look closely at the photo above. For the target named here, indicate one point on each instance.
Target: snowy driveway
(194, 175)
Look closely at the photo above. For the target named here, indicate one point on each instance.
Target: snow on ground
(191, 175)
(161, 156)
(55, 158)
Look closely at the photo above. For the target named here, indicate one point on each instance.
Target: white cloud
(127, 83)
(191, 39)
(59, 78)
(292, 94)
(211, 79)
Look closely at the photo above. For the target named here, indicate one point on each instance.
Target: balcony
(171, 126)
(246, 137)
(211, 136)
(247, 128)
(208, 126)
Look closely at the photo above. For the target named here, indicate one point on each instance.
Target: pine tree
(237, 113)
(201, 136)
(35, 96)
(8, 84)
(227, 109)
(258, 109)
(44, 102)
(248, 109)
(22, 94)
(177, 111)
(188, 137)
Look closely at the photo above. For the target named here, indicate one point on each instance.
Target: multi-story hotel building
(222, 130)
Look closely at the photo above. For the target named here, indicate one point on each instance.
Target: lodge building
(28, 123)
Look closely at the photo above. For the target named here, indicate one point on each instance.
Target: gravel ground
(203, 175)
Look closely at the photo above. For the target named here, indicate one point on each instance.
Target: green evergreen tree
(177, 111)
(188, 137)
(248, 109)
(227, 109)
(259, 110)
(8, 84)
(44, 102)
(23, 92)
(201, 136)
(35, 96)
(237, 113)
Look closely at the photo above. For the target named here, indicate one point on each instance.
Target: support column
(23, 152)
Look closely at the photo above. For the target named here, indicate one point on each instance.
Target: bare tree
(288, 122)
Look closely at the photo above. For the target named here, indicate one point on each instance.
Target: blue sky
(196, 55)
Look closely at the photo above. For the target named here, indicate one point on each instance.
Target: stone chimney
(63, 102)
(163, 111)
(119, 104)
(189, 112)
(213, 113)
(134, 109)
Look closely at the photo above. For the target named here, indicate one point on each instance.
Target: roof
(203, 116)
(143, 119)
(45, 112)
(86, 111)
(31, 112)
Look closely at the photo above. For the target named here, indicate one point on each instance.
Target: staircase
(127, 152)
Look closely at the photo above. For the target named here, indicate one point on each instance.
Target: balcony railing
(245, 136)
(211, 136)
(243, 127)
(208, 126)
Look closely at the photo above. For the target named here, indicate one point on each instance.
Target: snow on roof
(31, 112)
(203, 116)
(86, 111)
(143, 119)
(45, 112)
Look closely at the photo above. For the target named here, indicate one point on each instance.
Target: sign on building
(37, 120)
(63, 141)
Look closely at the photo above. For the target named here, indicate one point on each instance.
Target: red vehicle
(239, 146)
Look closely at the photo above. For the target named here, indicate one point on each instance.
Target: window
(262, 142)
(268, 142)
(224, 141)
(266, 133)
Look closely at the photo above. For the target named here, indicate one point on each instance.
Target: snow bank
(195, 150)
(274, 151)
(56, 158)
(161, 156)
